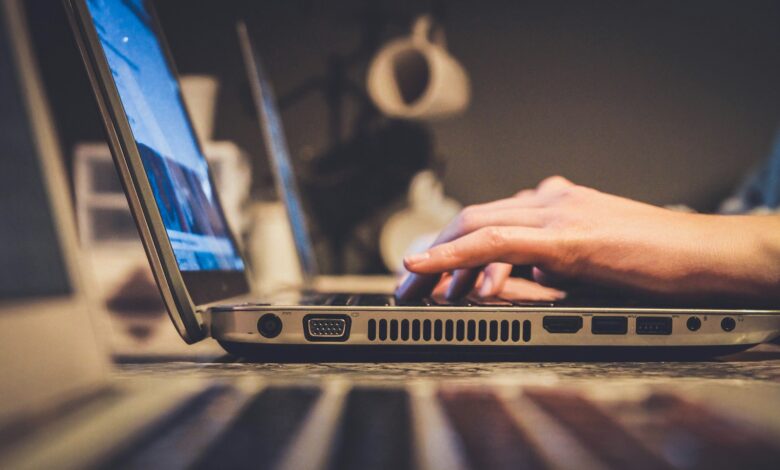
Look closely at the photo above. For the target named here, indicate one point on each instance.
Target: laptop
(204, 280)
(279, 157)
(286, 185)
(59, 406)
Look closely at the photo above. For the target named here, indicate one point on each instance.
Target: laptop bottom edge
(305, 353)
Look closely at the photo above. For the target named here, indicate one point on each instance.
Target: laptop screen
(276, 146)
(173, 160)
(31, 260)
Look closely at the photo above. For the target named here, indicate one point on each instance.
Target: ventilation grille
(463, 330)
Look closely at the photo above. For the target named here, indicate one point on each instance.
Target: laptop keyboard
(381, 300)
(455, 425)
(574, 299)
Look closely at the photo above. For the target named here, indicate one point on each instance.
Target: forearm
(734, 257)
(761, 263)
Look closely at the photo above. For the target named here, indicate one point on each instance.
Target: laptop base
(292, 353)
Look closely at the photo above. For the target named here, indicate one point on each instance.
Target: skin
(574, 234)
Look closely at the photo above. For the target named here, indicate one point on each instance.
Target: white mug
(415, 77)
(200, 96)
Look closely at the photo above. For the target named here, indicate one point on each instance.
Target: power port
(728, 324)
(562, 324)
(693, 323)
(609, 325)
(653, 326)
(269, 325)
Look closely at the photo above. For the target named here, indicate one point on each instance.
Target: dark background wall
(662, 101)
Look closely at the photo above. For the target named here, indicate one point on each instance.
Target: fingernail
(487, 287)
(417, 258)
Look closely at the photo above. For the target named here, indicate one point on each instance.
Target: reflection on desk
(719, 414)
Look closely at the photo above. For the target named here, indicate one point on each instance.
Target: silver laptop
(287, 188)
(279, 156)
(59, 406)
(203, 278)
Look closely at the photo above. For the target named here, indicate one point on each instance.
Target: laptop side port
(562, 324)
(269, 325)
(324, 327)
(609, 325)
(653, 326)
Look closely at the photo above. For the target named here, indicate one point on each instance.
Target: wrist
(752, 255)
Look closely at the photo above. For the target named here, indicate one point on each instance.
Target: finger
(553, 183)
(525, 194)
(491, 213)
(514, 245)
(477, 210)
(522, 289)
(572, 284)
(463, 281)
(440, 291)
(525, 198)
(475, 219)
(417, 286)
(496, 275)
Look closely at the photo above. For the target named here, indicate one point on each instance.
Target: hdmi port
(562, 324)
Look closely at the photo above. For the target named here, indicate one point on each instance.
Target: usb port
(609, 325)
(653, 326)
(562, 324)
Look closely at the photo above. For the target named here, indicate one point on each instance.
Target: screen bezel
(182, 291)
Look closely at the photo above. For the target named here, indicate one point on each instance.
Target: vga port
(326, 327)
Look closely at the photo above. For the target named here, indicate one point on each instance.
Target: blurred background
(668, 102)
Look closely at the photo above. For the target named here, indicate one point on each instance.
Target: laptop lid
(49, 350)
(169, 186)
(278, 153)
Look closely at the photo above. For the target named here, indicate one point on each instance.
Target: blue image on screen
(174, 164)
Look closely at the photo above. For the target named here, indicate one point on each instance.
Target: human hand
(573, 233)
(517, 289)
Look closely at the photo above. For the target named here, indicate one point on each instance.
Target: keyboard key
(374, 300)
(338, 300)
(424, 302)
(441, 302)
(489, 302)
(533, 303)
